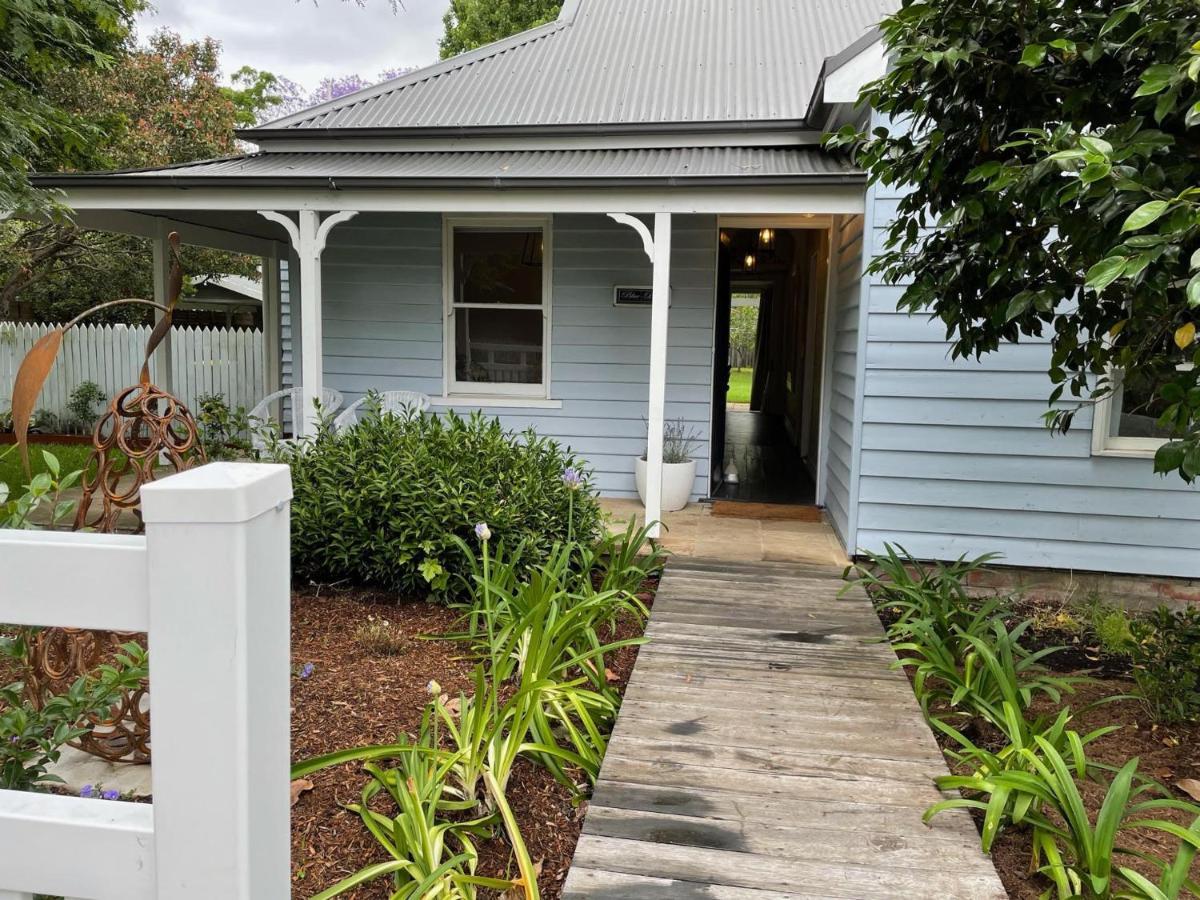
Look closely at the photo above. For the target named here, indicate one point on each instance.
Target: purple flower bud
(87, 791)
(573, 479)
(306, 670)
(111, 795)
(483, 532)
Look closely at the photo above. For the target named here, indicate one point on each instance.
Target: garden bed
(356, 696)
(1167, 755)
(1105, 697)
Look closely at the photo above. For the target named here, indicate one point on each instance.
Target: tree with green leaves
(39, 39)
(1050, 150)
(743, 335)
(473, 23)
(155, 105)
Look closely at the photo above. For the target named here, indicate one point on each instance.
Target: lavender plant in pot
(679, 468)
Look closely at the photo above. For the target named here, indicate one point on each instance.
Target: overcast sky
(307, 41)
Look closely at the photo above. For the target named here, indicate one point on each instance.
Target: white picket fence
(225, 361)
(209, 582)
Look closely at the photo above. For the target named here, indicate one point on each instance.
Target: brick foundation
(1137, 592)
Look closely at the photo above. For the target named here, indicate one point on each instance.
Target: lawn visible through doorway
(740, 383)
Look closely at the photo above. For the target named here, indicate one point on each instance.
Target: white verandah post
(161, 260)
(658, 249)
(271, 307)
(308, 236)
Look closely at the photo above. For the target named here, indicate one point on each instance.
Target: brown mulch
(355, 696)
(1165, 754)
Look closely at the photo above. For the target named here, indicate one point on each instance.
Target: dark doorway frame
(720, 433)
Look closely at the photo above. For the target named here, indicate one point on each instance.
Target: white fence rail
(226, 361)
(209, 582)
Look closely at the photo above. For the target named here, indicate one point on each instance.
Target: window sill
(483, 401)
(1126, 452)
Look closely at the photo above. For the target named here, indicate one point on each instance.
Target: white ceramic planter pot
(677, 482)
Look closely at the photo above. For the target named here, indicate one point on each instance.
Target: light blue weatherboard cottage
(554, 228)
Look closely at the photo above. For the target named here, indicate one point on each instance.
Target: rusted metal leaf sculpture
(144, 431)
(35, 367)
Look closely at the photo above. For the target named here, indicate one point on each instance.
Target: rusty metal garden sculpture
(144, 430)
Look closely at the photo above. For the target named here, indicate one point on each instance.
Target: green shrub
(390, 501)
(224, 433)
(81, 407)
(1165, 651)
(31, 739)
(1113, 630)
(43, 490)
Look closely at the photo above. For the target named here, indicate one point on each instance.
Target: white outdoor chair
(394, 403)
(331, 402)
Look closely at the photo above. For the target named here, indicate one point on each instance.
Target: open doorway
(771, 301)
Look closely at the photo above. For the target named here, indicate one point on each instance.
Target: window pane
(498, 346)
(498, 266)
(1139, 410)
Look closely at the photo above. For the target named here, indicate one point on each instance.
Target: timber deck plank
(767, 750)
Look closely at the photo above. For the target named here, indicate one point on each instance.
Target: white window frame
(1104, 443)
(451, 386)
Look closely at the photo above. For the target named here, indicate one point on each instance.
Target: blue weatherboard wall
(953, 457)
(842, 373)
(383, 315)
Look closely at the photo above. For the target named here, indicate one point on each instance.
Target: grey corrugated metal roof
(706, 164)
(620, 62)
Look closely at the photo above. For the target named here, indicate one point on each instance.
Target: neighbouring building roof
(494, 168)
(633, 64)
(232, 286)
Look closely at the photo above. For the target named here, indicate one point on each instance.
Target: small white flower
(434, 688)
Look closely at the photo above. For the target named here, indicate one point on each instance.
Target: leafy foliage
(473, 23)
(918, 592)
(1075, 852)
(31, 739)
(970, 670)
(978, 674)
(43, 490)
(38, 39)
(224, 433)
(540, 691)
(743, 335)
(391, 501)
(81, 406)
(1052, 188)
(149, 106)
(544, 632)
(1165, 649)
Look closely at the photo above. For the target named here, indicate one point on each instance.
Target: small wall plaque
(632, 295)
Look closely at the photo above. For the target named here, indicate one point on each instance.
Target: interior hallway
(768, 465)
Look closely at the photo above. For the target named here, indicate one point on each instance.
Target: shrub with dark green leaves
(382, 503)
(1165, 651)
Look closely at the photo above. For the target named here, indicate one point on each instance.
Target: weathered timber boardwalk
(765, 751)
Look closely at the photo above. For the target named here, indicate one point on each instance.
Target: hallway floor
(769, 467)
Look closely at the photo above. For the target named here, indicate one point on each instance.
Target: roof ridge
(460, 61)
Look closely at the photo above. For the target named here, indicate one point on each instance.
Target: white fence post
(217, 541)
